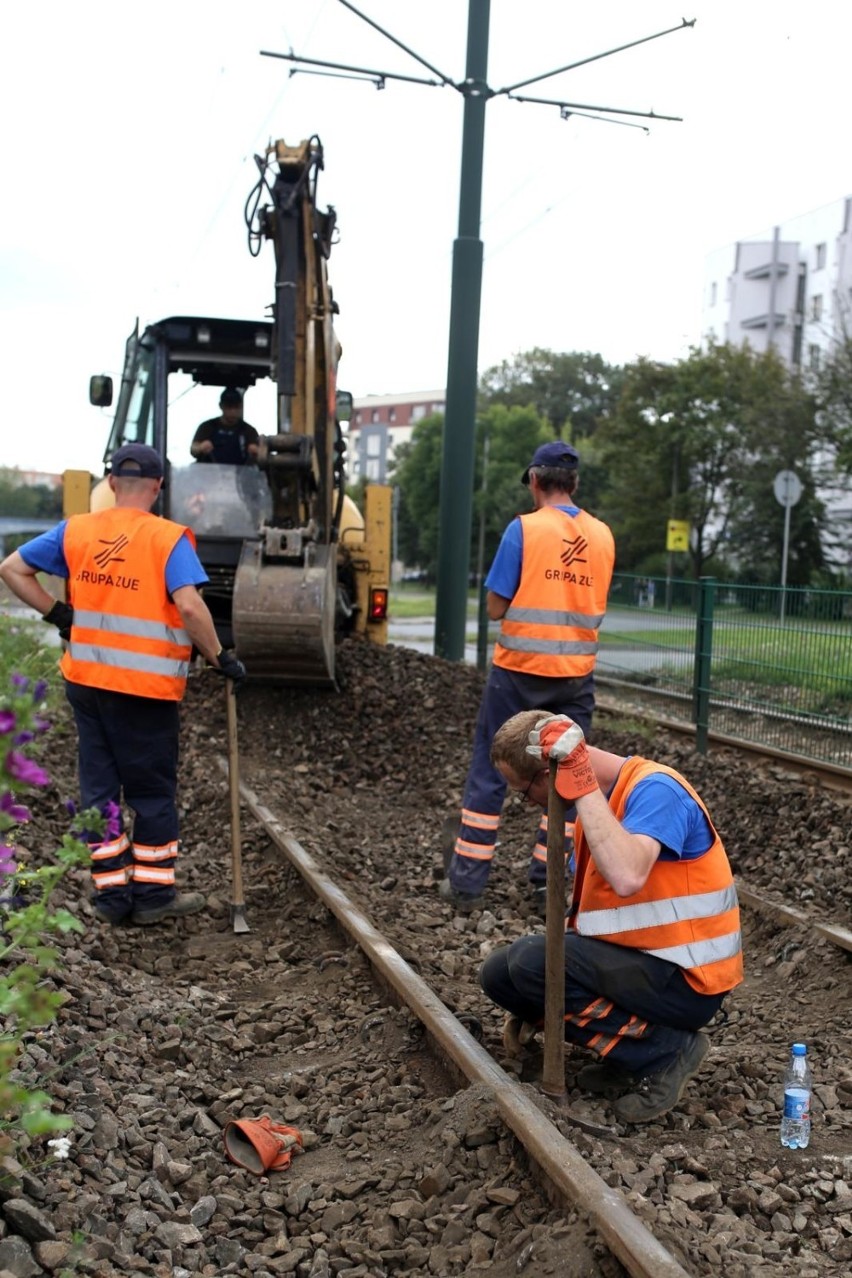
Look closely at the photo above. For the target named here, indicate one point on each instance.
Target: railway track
(824, 772)
(411, 1167)
(573, 1177)
(551, 1154)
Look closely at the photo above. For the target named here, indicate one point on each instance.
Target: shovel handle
(234, 792)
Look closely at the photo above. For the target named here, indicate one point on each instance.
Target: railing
(762, 664)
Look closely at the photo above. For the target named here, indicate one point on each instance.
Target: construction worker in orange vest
(652, 941)
(133, 615)
(548, 588)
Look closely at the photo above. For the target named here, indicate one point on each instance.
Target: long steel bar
(553, 1072)
(595, 57)
(638, 1250)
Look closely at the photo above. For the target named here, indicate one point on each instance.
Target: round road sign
(787, 487)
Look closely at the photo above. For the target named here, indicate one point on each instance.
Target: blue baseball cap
(136, 461)
(558, 455)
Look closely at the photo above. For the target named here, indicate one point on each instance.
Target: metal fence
(763, 664)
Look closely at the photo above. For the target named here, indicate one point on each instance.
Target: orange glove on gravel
(560, 738)
(261, 1145)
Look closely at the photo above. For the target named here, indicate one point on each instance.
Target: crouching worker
(133, 615)
(652, 941)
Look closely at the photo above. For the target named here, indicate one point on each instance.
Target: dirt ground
(169, 1032)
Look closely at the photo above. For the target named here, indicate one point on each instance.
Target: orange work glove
(560, 738)
(261, 1145)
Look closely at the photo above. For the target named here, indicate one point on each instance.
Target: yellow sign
(677, 534)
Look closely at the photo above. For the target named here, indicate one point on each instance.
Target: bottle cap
(800, 1049)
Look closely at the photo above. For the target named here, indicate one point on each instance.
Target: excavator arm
(286, 584)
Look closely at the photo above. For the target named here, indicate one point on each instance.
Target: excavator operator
(226, 439)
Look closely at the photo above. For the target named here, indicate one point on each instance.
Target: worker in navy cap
(548, 588)
(131, 618)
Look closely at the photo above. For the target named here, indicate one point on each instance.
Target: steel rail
(824, 772)
(839, 936)
(799, 762)
(642, 1255)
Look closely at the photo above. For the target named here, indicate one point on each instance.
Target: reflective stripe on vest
(551, 625)
(124, 659)
(558, 647)
(630, 918)
(138, 627)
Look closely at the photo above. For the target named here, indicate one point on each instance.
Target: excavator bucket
(283, 616)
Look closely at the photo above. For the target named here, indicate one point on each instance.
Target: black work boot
(660, 1092)
(183, 903)
(464, 902)
(602, 1077)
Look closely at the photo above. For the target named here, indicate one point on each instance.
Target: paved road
(419, 633)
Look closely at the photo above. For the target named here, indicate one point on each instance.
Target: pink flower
(24, 770)
(112, 814)
(7, 720)
(15, 811)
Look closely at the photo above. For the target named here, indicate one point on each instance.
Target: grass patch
(406, 603)
(24, 651)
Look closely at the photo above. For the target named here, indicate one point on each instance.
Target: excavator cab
(292, 563)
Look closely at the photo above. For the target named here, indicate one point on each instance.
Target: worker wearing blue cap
(548, 588)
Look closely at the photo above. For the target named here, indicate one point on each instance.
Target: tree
(783, 432)
(701, 440)
(832, 387)
(513, 435)
(644, 470)
(833, 390)
(417, 474)
(28, 501)
(572, 390)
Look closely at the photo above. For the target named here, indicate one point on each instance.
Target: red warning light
(378, 609)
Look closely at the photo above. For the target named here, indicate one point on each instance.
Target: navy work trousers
(128, 747)
(506, 693)
(633, 1008)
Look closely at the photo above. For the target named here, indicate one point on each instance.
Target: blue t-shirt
(504, 575)
(47, 553)
(658, 806)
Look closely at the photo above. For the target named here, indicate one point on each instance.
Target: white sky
(127, 158)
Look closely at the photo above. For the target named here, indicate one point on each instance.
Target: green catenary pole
(456, 499)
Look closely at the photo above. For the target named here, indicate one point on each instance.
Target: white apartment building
(380, 423)
(790, 288)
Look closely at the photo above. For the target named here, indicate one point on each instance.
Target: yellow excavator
(292, 562)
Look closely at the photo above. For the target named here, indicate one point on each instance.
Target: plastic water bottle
(796, 1119)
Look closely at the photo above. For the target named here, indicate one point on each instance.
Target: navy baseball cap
(136, 461)
(556, 454)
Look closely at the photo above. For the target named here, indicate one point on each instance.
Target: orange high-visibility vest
(551, 625)
(687, 911)
(127, 635)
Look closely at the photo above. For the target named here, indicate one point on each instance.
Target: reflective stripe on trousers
(506, 693)
(630, 1007)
